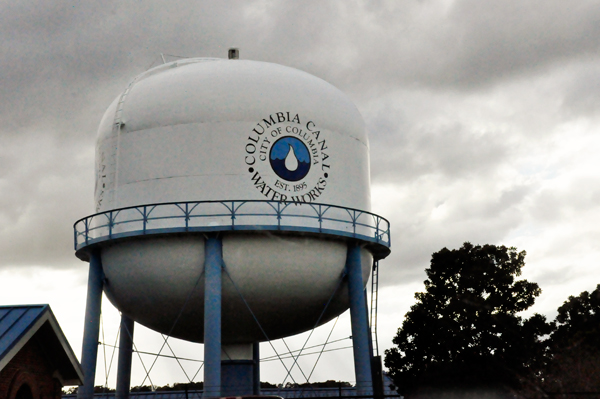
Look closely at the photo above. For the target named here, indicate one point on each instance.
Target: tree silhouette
(575, 343)
(463, 333)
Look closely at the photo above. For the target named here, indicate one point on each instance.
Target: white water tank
(230, 131)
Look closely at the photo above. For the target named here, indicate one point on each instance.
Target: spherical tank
(219, 130)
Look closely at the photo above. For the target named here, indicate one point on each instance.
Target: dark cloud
(499, 39)
(48, 186)
(434, 212)
(64, 59)
(581, 96)
(557, 205)
(402, 153)
(471, 44)
(423, 73)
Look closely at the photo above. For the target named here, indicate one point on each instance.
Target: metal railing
(242, 215)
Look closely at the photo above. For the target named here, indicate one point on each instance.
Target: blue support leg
(91, 328)
(359, 319)
(125, 353)
(212, 316)
(256, 370)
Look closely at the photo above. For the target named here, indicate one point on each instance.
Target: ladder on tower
(373, 316)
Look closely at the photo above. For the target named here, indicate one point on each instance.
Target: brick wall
(31, 367)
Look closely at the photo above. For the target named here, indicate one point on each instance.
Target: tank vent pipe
(234, 53)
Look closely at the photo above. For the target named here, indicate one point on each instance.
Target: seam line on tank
(178, 124)
(175, 177)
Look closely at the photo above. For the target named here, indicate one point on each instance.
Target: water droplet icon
(291, 162)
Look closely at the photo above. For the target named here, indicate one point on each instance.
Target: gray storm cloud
(464, 101)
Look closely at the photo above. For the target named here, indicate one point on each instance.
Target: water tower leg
(256, 370)
(91, 328)
(212, 316)
(237, 370)
(359, 318)
(125, 353)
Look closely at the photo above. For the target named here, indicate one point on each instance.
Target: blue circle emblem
(290, 159)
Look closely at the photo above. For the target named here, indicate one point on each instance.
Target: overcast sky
(483, 119)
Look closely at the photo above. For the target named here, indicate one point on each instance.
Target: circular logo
(290, 159)
(287, 157)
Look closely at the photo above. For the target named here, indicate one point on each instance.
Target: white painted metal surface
(213, 129)
(194, 130)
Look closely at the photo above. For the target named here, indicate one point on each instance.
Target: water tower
(232, 207)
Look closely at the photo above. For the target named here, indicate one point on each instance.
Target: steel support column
(125, 353)
(359, 319)
(212, 316)
(256, 370)
(91, 328)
